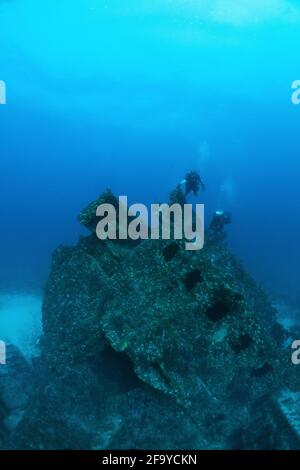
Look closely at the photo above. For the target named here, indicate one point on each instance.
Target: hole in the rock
(118, 368)
(191, 279)
(261, 371)
(242, 343)
(170, 251)
(218, 310)
(225, 302)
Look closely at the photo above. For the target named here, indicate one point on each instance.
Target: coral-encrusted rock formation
(88, 218)
(152, 346)
(16, 385)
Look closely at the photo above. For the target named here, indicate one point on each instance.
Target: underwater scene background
(109, 345)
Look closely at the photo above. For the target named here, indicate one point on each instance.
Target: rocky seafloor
(146, 345)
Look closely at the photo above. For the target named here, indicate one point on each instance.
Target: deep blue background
(133, 94)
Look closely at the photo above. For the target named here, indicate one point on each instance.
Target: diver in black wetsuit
(192, 183)
(219, 220)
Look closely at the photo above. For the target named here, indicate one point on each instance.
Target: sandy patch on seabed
(21, 321)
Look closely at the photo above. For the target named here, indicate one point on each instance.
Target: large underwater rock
(17, 378)
(151, 346)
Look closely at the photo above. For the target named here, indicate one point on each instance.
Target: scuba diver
(219, 220)
(192, 183)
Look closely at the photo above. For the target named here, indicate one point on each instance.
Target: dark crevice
(191, 279)
(170, 251)
(261, 371)
(225, 302)
(218, 310)
(118, 368)
(242, 343)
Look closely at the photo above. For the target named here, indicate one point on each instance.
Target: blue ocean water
(131, 95)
